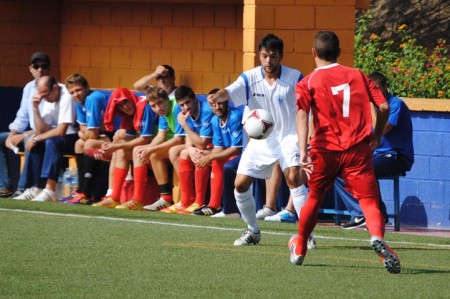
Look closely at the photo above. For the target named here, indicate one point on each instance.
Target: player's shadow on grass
(414, 271)
(405, 269)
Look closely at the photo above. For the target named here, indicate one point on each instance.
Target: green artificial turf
(52, 250)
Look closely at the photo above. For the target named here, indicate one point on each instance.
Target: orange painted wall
(113, 43)
(27, 27)
(297, 22)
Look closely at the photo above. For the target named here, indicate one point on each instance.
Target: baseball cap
(40, 56)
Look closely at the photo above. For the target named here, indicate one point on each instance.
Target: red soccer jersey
(339, 98)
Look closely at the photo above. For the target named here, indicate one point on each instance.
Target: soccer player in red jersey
(339, 98)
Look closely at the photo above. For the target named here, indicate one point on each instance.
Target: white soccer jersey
(252, 89)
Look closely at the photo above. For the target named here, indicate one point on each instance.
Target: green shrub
(412, 70)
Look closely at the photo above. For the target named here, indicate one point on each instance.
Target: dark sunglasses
(42, 66)
(162, 77)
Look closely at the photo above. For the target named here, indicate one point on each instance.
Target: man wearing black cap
(20, 127)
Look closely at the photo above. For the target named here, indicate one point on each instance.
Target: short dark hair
(326, 45)
(213, 91)
(271, 42)
(379, 78)
(170, 70)
(184, 91)
(76, 79)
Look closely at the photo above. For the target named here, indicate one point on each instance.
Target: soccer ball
(259, 124)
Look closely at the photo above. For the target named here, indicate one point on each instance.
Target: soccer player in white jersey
(270, 86)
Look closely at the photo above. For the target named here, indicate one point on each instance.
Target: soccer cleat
(264, 212)
(85, 201)
(29, 194)
(311, 242)
(131, 205)
(282, 216)
(292, 245)
(355, 223)
(223, 215)
(70, 196)
(190, 209)
(157, 205)
(174, 209)
(76, 199)
(206, 211)
(45, 195)
(106, 202)
(247, 238)
(390, 258)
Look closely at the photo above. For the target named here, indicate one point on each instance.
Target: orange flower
(401, 27)
(441, 93)
(373, 36)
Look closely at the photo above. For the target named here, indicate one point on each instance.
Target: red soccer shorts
(354, 165)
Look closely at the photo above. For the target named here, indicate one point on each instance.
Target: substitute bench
(339, 208)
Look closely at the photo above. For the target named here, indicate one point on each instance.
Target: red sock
(140, 178)
(215, 201)
(309, 214)
(374, 218)
(186, 179)
(118, 178)
(201, 183)
(167, 197)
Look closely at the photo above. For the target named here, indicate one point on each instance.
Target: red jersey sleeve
(302, 95)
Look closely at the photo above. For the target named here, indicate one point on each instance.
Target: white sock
(299, 196)
(108, 192)
(246, 205)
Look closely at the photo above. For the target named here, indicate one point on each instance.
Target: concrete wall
(113, 43)
(425, 190)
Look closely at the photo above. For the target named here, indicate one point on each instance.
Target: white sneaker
(45, 195)
(28, 194)
(311, 242)
(223, 215)
(264, 212)
(247, 238)
(282, 216)
(157, 205)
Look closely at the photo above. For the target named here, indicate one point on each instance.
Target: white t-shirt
(24, 116)
(252, 89)
(60, 112)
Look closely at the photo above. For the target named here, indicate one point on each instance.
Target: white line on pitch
(205, 227)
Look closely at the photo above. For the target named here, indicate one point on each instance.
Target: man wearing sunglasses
(22, 126)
